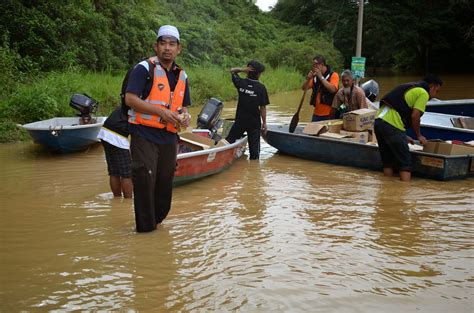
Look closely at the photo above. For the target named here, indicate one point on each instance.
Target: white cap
(168, 30)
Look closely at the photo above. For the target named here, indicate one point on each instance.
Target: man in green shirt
(400, 109)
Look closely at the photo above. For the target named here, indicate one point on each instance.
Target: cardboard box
(333, 136)
(359, 120)
(197, 142)
(453, 149)
(360, 137)
(442, 147)
(431, 146)
(334, 126)
(372, 137)
(415, 147)
(315, 129)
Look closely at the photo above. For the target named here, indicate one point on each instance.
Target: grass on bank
(49, 96)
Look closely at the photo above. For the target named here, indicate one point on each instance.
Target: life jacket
(161, 94)
(326, 96)
(396, 100)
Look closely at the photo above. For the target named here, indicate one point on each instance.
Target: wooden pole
(359, 33)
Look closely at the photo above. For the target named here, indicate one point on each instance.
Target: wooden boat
(199, 156)
(347, 153)
(65, 134)
(463, 107)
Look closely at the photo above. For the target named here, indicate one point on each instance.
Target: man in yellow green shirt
(401, 109)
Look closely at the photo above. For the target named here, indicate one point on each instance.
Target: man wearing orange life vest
(153, 128)
(324, 83)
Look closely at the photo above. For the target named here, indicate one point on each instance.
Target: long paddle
(296, 118)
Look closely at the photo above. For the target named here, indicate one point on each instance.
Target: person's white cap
(168, 30)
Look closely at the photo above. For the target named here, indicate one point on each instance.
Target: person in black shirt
(251, 107)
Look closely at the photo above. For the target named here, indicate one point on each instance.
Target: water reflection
(406, 234)
(398, 222)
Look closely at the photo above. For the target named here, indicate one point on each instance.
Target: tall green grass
(49, 96)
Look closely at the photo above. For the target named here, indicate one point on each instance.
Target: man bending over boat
(251, 115)
(400, 109)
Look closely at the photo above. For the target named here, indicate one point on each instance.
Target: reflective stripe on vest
(162, 95)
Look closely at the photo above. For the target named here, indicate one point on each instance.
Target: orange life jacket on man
(161, 94)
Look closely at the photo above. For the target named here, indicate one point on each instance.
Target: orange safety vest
(161, 94)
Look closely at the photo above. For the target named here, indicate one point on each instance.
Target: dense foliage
(411, 35)
(51, 49)
(113, 34)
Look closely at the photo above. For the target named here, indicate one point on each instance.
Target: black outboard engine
(209, 117)
(86, 106)
(371, 89)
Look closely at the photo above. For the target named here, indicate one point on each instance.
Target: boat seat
(467, 122)
(463, 122)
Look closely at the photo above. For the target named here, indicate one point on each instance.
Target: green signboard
(358, 67)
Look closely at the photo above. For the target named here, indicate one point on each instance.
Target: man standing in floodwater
(400, 109)
(251, 115)
(153, 128)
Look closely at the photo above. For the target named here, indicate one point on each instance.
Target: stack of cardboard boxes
(356, 126)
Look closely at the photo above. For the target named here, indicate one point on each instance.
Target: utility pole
(358, 53)
(359, 28)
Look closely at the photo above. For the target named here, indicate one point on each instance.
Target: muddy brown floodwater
(280, 234)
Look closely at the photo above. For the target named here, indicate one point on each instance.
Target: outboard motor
(209, 117)
(86, 106)
(371, 89)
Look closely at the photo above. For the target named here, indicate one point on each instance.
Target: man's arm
(360, 99)
(338, 99)
(236, 70)
(415, 124)
(263, 114)
(336, 103)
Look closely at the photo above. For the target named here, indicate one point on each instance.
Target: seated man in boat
(401, 109)
(251, 107)
(349, 98)
(324, 83)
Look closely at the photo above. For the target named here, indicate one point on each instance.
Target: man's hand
(185, 119)
(264, 128)
(168, 116)
(410, 140)
(317, 72)
(422, 140)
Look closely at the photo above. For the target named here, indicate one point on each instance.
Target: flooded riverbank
(280, 234)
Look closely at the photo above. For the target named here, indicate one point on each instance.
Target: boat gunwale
(439, 102)
(37, 127)
(418, 152)
(213, 149)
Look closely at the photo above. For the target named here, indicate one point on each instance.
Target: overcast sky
(265, 4)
